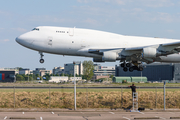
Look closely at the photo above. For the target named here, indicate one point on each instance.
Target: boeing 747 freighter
(102, 46)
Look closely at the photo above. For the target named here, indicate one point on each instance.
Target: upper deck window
(35, 29)
(60, 31)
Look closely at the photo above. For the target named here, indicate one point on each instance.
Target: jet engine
(107, 57)
(149, 52)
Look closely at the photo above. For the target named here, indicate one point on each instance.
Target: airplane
(102, 46)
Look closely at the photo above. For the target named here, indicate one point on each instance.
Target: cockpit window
(35, 29)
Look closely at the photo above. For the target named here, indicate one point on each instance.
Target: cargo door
(50, 41)
(71, 31)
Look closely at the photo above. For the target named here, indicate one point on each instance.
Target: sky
(147, 18)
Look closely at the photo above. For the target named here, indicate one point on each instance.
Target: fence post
(87, 96)
(156, 98)
(14, 98)
(49, 97)
(121, 97)
(164, 95)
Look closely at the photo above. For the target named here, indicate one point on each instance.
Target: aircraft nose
(20, 39)
(17, 40)
(24, 39)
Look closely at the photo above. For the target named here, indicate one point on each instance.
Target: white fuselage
(77, 42)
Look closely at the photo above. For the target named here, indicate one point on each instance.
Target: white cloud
(5, 14)
(48, 18)
(170, 31)
(91, 21)
(19, 29)
(5, 40)
(1, 29)
(147, 3)
(165, 17)
(83, 1)
(156, 3)
(146, 16)
(119, 2)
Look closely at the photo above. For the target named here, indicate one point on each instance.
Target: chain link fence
(113, 98)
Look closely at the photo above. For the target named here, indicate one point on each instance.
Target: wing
(146, 54)
(150, 54)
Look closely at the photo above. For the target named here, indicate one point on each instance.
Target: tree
(57, 75)
(111, 76)
(19, 68)
(19, 77)
(47, 76)
(88, 68)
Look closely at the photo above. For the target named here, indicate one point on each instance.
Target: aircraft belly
(174, 58)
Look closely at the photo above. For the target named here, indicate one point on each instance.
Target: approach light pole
(74, 87)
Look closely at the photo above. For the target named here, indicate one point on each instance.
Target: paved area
(108, 115)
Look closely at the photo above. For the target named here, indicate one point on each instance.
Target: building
(176, 72)
(70, 68)
(155, 72)
(61, 79)
(95, 77)
(41, 71)
(11, 69)
(58, 70)
(7, 76)
(76, 78)
(58, 79)
(103, 70)
(25, 71)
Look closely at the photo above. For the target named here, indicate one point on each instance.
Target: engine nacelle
(97, 60)
(149, 52)
(109, 56)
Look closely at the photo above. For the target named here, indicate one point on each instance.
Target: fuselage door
(50, 41)
(71, 31)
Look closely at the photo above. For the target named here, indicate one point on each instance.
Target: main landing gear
(131, 67)
(41, 59)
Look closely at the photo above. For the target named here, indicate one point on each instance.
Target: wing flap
(171, 44)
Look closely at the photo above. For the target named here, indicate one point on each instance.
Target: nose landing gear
(41, 59)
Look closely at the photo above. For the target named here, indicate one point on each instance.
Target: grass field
(87, 98)
(46, 84)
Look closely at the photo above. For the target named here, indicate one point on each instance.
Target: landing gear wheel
(128, 64)
(125, 69)
(131, 69)
(122, 64)
(41, 60)
(141, 68)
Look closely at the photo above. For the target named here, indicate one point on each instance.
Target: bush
(124, 81)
